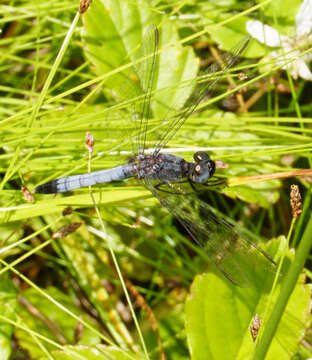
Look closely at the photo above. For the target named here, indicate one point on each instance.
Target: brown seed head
(84, 5)
(66, 230)
(89, 142)
(255, 326)
(28, 196)
(295, 201)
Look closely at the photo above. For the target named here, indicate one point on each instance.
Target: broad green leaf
(218, 317)
(284, 10)
(113, 33)
(232, 33)
(263, 193)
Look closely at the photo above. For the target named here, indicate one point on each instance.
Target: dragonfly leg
(216, 183)
(193, 185)
(165, 190)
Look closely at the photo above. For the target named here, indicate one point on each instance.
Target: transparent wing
(145, 63)
(235, 256)
(132, 89)
(204, 84)
(141, 92)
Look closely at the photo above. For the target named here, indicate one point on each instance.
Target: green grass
(128, 282)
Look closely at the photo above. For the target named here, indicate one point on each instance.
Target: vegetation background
(109, 274)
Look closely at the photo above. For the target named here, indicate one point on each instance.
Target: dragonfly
(171, 179)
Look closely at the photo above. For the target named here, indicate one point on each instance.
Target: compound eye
(201, 156)
(197, 169)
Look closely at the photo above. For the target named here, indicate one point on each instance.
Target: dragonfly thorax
(202, 169)
(162, 167)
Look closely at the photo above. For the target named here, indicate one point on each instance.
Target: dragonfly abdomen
(78, 181)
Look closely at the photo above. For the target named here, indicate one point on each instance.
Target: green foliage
(62, 296)
(52, 324)
(8, 307)
(93, 353)
(218, 322)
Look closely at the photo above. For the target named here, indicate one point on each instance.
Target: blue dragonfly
(175, 182)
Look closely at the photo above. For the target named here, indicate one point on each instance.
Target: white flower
(290, 46)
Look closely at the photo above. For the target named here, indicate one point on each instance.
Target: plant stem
(286, 290)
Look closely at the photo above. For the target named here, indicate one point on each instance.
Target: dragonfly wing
(202, 87)
(145, 63)
(235, 256)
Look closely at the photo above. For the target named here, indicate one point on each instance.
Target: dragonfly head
(203, 168)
